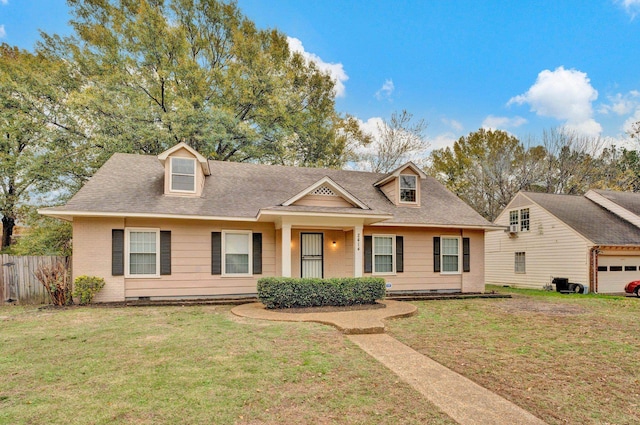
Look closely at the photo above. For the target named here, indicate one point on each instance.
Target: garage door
(615, 271)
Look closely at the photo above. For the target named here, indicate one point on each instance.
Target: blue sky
(520, 66)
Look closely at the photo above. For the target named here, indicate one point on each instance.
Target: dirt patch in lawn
(330, 308)
(527, 305)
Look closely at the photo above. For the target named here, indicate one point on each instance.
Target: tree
(570, 166)
(37, 149)
(161, 72)
(397, 141)
(486, 169)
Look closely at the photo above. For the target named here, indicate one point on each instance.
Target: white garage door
(615, 271)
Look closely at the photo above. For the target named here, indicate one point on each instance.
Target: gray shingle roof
(627, 200)
(595, 223)
(134, 184)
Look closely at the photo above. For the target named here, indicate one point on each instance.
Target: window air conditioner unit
(513, 228)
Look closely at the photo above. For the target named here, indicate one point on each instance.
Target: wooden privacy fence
(18, 281)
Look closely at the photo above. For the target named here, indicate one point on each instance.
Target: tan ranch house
(593, 240)
(179, 226)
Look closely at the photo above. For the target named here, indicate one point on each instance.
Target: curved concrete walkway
(462, 399)
(348, 322)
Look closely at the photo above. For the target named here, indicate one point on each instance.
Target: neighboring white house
(593, 240)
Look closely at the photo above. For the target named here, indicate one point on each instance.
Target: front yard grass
(565, 358)
(190, 365)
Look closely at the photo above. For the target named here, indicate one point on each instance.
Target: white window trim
(524, 263)
(171, 173)
(393, 255)
(442, 238)
(127, 249)
(521, 221)
(400, 189)
(224, 253)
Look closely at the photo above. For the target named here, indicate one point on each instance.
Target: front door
(311, 263)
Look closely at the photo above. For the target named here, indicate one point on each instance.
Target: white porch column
(286, 250)
(358, 241)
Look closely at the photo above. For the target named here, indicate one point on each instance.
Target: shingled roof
(133, 184)
(627, 200)
(592, 221)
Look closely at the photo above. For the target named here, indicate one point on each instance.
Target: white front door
(311, 259)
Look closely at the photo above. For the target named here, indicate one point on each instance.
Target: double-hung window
(237, 253)
(183, 175)
(520, 263)
(524, 220)
(450, 254)
(383, 249)
(408, 186)
(143, 249)
(513, 217)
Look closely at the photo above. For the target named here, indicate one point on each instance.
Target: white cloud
(626, 127)
(621, 104)
(3, 32)
(501, 123)
(386, 90)
(4, 2)
(335, 70)
(444, 140)
(632, 7)
(455, 125)
(563, 94)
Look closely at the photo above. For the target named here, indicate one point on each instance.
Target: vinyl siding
(191, 261)
(323, 201)
(418, 260)
(552, 249)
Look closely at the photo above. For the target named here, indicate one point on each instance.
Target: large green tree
(160, 72)
(39, 152)
(486, 169)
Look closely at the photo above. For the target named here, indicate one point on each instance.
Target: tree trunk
(8, 223)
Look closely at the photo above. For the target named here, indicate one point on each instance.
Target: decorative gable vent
(323, 191)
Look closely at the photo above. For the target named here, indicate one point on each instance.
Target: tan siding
(390, 189)
(551, 249)
(418, 261)
(190, 258)
(323, 201)
(92, 254)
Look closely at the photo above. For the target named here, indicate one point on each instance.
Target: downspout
(593, 281)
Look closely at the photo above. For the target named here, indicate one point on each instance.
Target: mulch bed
(330, 308)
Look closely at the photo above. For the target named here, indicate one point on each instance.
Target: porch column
(286, 250)
(357, 251)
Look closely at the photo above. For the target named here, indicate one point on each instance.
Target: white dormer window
(408, 186)
(183, 175)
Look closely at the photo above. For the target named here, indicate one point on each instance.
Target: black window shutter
(216, 252)
(117, 252)
(368, 248)
(436, 254)
(399, 254)
(466, 255)
(165, 252)
(257, 253)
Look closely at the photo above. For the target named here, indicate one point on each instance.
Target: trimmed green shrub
(287, 292)
(86, 287)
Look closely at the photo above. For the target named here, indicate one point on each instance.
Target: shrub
(286, 292)
(55, 279)
(86, 287)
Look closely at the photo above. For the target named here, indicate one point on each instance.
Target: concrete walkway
(463, 400)
(348, 322)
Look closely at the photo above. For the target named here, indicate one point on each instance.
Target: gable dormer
(325, 193)
(184, 170)
(402, 185)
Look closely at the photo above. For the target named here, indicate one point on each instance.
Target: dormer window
(408, 186)
(183, 175)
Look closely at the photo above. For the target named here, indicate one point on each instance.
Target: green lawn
(565, 358)
(190, 365)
